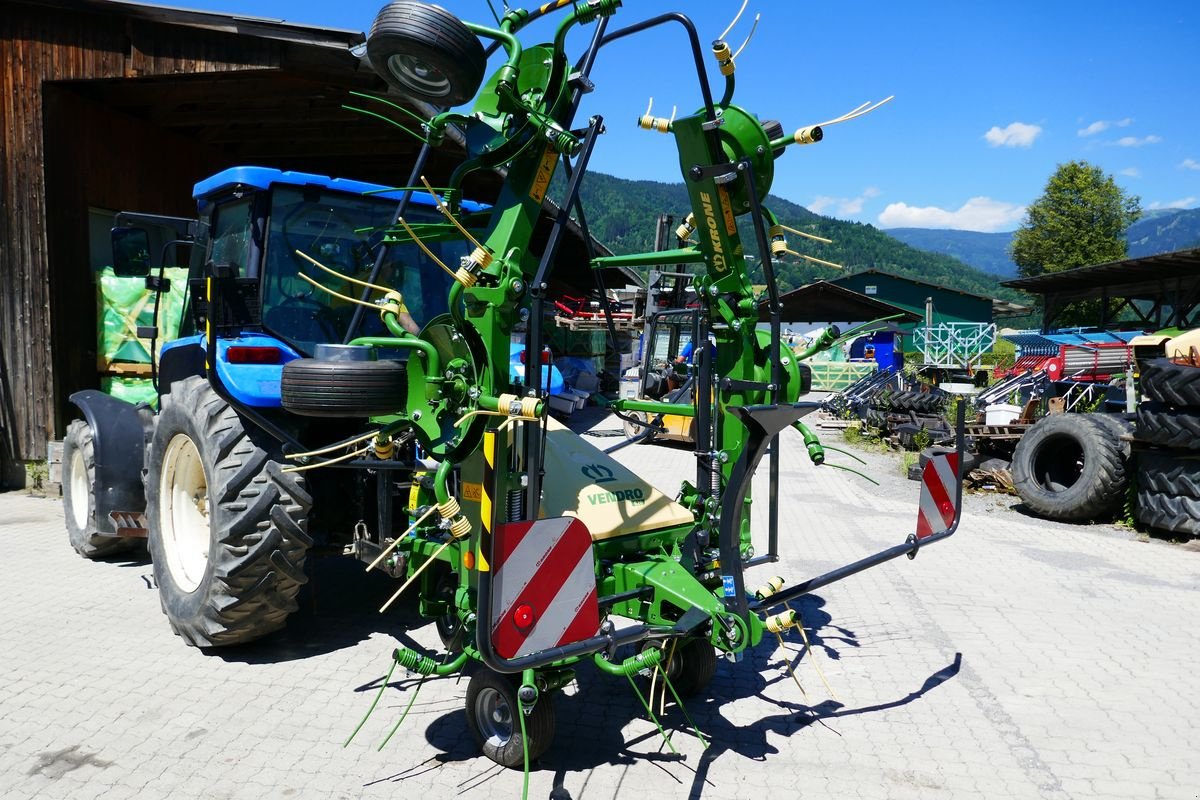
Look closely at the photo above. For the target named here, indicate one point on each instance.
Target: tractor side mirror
(131, 251)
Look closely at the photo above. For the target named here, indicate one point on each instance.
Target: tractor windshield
(344, 233)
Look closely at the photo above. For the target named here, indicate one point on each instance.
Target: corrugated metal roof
(1163, 267)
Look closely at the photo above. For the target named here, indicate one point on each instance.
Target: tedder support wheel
(1070, 467)
(314, 387)
(227, 528)
(426, 52)
(492, 717)
(79, 496)
(692, 666)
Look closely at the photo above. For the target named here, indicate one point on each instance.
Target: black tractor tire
(901, 401)
(315, 387)
(1168, 512)
(1164, 381)
(1070, 467)
(1118, 426)
(79, 496)
(1169, 472)
(491, 715)
(427, 53)
(1169, 427)
(213, 487)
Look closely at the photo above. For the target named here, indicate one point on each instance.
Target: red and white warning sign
(543, 586)
(939, 495)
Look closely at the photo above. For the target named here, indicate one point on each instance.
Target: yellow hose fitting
(392, 303)
(724, 57)
(384, 449)
(781, 621)
(769, 588)
(687, 227)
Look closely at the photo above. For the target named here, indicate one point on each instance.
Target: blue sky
(990, 97)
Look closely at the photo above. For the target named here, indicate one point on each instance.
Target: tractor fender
(119, 445)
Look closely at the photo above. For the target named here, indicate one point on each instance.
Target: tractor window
(231, 236)
(343, 232)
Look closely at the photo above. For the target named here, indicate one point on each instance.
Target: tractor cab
(279, 237)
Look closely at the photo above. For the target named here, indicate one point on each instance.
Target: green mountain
(622, 214)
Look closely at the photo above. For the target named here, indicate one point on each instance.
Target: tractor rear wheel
(227, 528)
(79, 496)
(426, 53)
(492, 710)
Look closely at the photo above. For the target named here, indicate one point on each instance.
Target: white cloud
(977, 214)
(1130, 172)
(1103, 124)
(1189, 163)
(1133, 141)
(842, 206)
(1018, 134)
(1183, 202)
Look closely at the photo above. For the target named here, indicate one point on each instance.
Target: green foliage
(921, 440)
(1079, 220)
(622, 214)
(36, 473)
(853, 433)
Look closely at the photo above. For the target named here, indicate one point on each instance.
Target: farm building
(111, 106)
(910, 294)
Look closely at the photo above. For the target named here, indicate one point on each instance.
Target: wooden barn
(110, 106)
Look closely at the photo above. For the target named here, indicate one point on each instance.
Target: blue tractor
(214, 478)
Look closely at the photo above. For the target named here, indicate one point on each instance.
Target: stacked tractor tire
(908, 415)
(1168, 470)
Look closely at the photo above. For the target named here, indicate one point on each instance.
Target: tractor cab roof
(266, 177)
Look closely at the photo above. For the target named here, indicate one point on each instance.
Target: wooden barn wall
(39, 45)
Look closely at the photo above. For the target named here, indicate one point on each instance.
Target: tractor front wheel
(79, 496)
(227, 528)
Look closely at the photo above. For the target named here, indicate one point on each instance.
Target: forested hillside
(621, 214)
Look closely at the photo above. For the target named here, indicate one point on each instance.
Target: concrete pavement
(1020, 659)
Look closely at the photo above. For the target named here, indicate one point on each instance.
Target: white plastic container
(1001, 414)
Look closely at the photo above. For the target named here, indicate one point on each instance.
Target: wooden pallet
(1015, 431)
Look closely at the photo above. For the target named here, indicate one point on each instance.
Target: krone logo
(598, 473)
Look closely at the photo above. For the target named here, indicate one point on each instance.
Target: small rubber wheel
(690, 669)
(491, 715)
(79, 496)
(426, 52)
(450, 628)
(323, 388)
(632, 430)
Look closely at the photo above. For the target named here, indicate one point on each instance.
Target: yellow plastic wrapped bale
(125, 304)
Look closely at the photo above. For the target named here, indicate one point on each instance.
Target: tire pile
(907, 414)
(1168, 474)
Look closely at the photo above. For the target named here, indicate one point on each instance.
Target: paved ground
(1020, 659)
